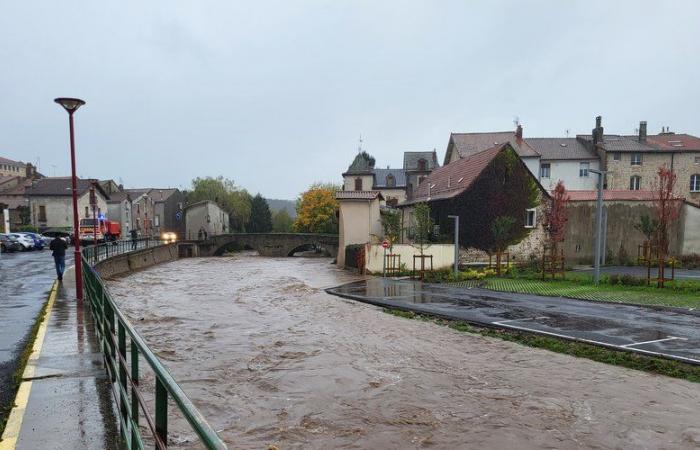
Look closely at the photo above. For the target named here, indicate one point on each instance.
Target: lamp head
(70, 104)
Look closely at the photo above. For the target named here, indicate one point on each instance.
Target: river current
(272, 361)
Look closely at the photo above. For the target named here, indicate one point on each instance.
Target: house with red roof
(480, 188)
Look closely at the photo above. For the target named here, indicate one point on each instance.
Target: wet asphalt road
(671, 333)
(25, 280)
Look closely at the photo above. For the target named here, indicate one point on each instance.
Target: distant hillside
(276, 205)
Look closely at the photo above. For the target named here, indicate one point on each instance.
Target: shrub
(691, 261)
(626, 280)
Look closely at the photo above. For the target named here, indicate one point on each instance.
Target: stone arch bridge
(269, 244)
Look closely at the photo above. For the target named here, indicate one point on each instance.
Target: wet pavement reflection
(270, 358)
(25, 280)
(672, 332)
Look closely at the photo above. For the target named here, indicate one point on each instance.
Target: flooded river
(272, 360)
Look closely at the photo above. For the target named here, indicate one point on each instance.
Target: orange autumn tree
(316, 210)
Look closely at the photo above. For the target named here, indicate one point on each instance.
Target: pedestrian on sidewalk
(134, 236)
(59, 246)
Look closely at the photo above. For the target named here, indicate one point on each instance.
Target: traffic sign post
(385, 245)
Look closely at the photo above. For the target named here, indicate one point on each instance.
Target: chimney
(29, 170)
(598, 131)
(519, 132)
(643, 131)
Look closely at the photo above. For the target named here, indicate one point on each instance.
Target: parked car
(26, 241)
(9, 244)
(38, 239)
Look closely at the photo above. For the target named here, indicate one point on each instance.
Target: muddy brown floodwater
(271, 359)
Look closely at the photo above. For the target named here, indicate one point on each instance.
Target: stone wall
(140, 259)
(579, 242)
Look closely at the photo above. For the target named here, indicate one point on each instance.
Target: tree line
(315, 208)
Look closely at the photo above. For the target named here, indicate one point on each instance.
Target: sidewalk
(69, 402)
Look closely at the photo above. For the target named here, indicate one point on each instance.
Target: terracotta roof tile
(357, 195)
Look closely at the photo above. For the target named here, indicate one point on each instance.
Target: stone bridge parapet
(269, 244)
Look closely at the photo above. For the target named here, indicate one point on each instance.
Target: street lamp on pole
(598, 225)
(71, 105)
(456, 218)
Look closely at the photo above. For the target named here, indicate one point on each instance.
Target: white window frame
(616, 156)
(695, 182)
(549, 170)
(583, 169)
(638, 185)
(532, 224)
(637, 162)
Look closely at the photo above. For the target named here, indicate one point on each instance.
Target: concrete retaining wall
(139, 259)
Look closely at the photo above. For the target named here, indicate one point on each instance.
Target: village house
(51, 202)
(632, 161)
(142, 211)
(119, 210)
(10, 168)
(15, 178)
(168, 211)
(205, 218)
(479, 188)
(395, 185)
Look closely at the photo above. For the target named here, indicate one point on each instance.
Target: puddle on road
(271, 359)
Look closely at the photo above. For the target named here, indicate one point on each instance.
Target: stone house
(457, 189)
(632, 161)
(205, 216)
(51, 202)
(395, 185)
(10, 168)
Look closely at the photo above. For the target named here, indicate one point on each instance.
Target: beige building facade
(51, 202)
(359, 220)
(205, 217)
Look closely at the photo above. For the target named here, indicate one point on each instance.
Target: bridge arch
(268, 244)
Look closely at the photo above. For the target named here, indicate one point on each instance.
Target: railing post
(161, 411)
(123, 402)
(134, 396)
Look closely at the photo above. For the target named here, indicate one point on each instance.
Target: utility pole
(456, 218)
(599, 225)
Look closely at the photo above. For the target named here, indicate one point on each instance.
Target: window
(157, 220)
(390, 181)
(544, 170)
(422, 164)
(420, 179)
(636, 159)
(42, 213)
(616, 156)
(87, 212)
(583, 169)
(695, 183)
(530, 218)
(697, 160)
(358, 184)
(138, 208)
(635, 183)
(138, 223)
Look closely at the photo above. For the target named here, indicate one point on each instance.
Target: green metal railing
(122, 346)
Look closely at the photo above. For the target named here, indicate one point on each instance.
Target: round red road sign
(385, 244)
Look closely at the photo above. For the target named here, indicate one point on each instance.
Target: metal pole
(76, 220)
(604, 238)
(599, 226)
(456, 218)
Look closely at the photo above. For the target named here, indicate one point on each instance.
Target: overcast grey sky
(275, 94)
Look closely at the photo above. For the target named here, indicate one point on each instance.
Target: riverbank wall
(136, 260)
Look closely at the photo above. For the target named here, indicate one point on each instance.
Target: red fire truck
(106, 230)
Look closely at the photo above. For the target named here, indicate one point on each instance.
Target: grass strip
(651, 364)
(16, 379)
(639, 295)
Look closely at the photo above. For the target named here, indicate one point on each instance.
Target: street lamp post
(456, 218)
(598, 224)
(71, 105)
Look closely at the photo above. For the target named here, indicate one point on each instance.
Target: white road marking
(670, 338)
(605, 344)
(519, 320)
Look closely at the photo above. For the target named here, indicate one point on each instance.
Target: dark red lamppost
(71, 105)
